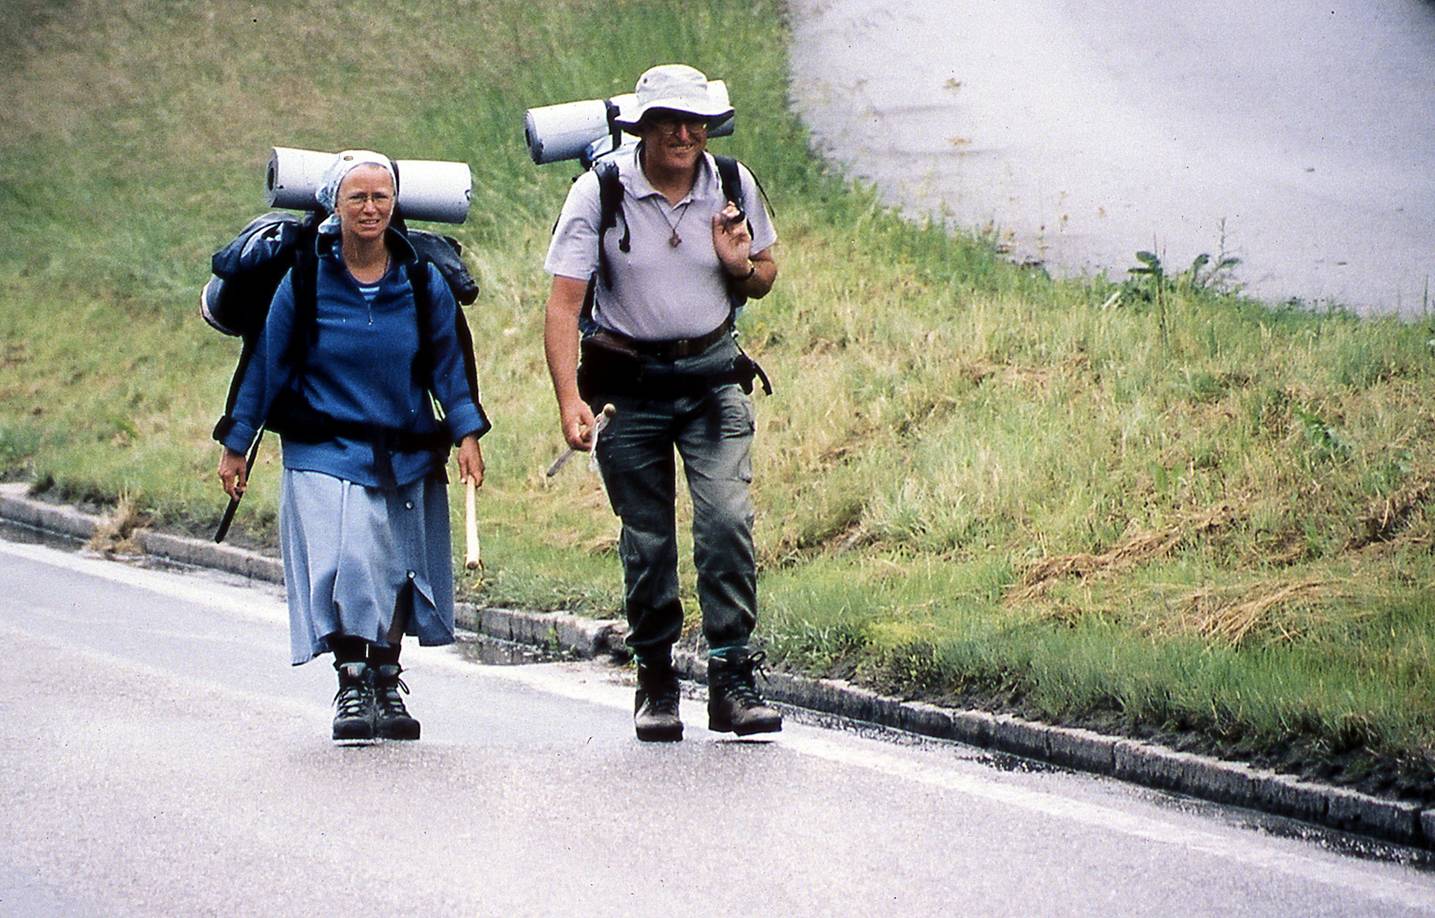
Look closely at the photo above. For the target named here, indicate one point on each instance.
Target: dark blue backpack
(248, 270)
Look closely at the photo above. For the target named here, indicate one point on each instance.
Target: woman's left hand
(470, 461)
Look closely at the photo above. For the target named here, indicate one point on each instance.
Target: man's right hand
(560, 346)
(577, 420)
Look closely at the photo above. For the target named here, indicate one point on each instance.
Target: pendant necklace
(675, 240)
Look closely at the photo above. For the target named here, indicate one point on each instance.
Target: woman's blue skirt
(365, 562)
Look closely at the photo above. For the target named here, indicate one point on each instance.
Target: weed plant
(1140, 502)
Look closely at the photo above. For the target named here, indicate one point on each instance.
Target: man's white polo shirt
(660, 291)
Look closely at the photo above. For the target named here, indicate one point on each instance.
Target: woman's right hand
(233, 473)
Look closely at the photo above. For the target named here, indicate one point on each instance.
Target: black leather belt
(670, 349)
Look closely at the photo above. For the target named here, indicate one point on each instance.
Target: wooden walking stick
(472, 561)
(602, 420)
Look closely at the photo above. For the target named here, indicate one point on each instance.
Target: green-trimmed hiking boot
(734, 705)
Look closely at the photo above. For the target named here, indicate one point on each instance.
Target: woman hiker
(344, 374)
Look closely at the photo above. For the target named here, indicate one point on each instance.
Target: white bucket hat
(676, 88)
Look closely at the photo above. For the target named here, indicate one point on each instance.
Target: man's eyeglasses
(381, 199)
(670, 126)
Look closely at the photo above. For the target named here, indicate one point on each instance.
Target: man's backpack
(248, 270)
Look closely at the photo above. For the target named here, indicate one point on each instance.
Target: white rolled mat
(564, 131)
(428, 189)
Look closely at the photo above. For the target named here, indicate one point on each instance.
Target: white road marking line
(260, 602)
(163, 676)
(1371, 879)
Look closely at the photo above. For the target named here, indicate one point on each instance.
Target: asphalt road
(161, 757)
(1297, 135)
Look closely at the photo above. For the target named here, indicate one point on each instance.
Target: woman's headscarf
(343, 164)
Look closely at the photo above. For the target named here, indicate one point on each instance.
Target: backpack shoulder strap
(732, 181)
(731, 178)
(304, 281)
(423, 300)
(610, 205)
(423, 308)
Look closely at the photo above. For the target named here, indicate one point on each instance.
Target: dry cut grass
(1284, 610)
(1136, 549)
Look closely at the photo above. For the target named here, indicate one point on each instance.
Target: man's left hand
(732, 240)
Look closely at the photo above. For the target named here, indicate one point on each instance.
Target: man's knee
(724, 525)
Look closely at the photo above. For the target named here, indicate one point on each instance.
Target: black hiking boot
(354, 703)
(655, 707)
(734, 705)
(394, 721)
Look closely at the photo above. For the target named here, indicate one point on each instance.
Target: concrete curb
(582, 637)
(1128, 760)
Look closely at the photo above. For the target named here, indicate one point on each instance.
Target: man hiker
(651, 258)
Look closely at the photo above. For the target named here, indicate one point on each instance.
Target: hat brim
(715, 115)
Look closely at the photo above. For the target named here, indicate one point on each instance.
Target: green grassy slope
(1163, 510)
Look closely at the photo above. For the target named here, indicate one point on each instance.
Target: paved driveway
(1299, 135)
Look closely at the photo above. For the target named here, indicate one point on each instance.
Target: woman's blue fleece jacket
(360, 368)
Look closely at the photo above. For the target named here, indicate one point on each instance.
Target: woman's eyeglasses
(381, 199)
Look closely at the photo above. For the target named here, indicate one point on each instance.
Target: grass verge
(1145, 505)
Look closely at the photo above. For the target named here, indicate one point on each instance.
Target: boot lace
(662, 693)
(665, 700)
(352, 701)
(743, 684)
(390, 701)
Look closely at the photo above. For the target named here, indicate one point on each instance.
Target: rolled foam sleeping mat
(428, 189)
(564, 131)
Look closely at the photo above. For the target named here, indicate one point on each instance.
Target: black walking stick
(228, 517)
